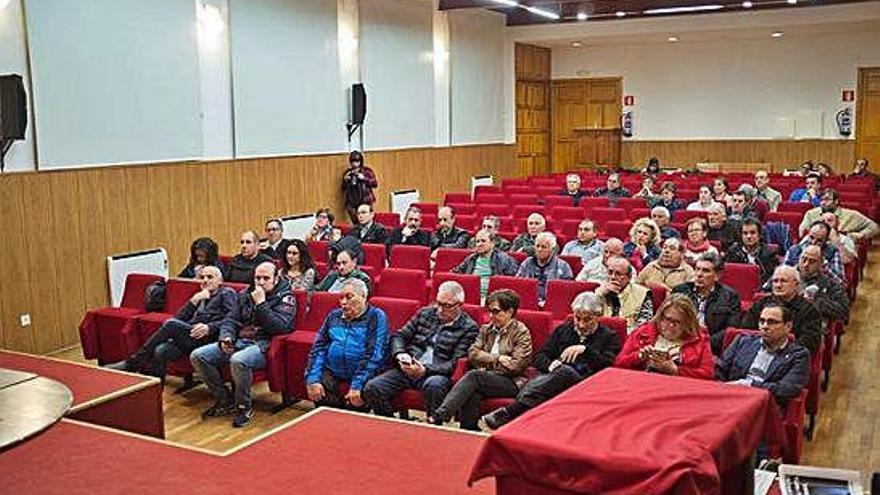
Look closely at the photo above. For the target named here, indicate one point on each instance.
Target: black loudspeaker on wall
(13, 109)
(358, 104)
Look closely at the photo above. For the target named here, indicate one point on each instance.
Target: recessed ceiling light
(582, 16)
(620, 13)
(747, 4)
(792, 2)
(577, 44)
(680, 10)
(541, 12)
(672, 39)
(776, 34)
(509, 3)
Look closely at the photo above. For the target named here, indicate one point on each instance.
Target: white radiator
(153, 261)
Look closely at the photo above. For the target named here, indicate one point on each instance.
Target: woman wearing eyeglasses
(672, 343)
(499, 359)
(323, 230)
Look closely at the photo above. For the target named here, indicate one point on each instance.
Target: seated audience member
(643, 246)
(492, 224)
(260, 313)
(721, 191)
(704, 201)
(573, 189)
(486, 261)
(843, 242)
(623, 298)
(647, 189)
(861, 169)
(786, 289)
(410, 233)
(241, 268)
(717, 305)
(768, 360)
(753, 250)
(670, 269)
(721, 228)
(818, 236)
(345, 269)
(586, 245)
(323, 229)
(660, 216)
(697, 244)
(850, 222)
(350, 347)
(765, 192)
(754, 205)
(448, 235)
(824, 170)
(202, 252)
(195, 324)
(525, 242)
(577, 349)
(424, 352)
(612, 190)
(596, 270)
(737, 211)
(367, 231)
(652, 168)
(299, 269)
(544, 265)
(827, 294)
(667, 198)
(810, 193)
(276, 244)
(671, 343)
(499, 358)
(807, 168)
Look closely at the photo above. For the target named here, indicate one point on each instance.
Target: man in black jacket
(448, 235)
(717, 304)
(576, 350)
(424, 352)
(276, 244)
(194, 325)
(261, 313)
(807, 321)
(367, 231)
(753, 250)
(721, 228)
(241, 268)
(410, 233)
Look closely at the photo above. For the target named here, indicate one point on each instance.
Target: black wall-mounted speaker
(358, 103)
(13, 108)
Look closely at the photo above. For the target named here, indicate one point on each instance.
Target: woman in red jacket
(672, 343)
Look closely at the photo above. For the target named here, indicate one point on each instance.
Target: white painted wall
(13, 60)
(730, 89)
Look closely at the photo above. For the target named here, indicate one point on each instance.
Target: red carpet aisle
(325, 452)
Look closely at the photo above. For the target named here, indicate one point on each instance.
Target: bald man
(448, 235)
(596, 270)
(195, 324)
(826, 293)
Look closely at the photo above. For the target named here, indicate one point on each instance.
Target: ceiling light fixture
(541, 12)
(680, 10)
(792, 2)
(577, 44)
(776, 34)
(620, 13)
(582, 16)
(747, 4)
(509, 3)
(672, 39)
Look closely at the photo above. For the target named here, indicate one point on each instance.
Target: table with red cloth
(126, 401)
(630, 432)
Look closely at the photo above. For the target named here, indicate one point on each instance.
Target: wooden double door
(586, 123)
(868, 117)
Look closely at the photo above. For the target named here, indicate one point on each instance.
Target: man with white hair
(573, 189)
(350, 347)
(786, 286)
(577, 349)
(722, 229)
(670, 269)
(544, 265)
(612, 190)
(525, 242)
(764, 191)
(660, 215)
(624, 298)
(597, 269)
(585, 245)
(425, 351)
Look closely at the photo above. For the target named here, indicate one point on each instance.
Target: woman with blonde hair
(644, 243)
(672, 343)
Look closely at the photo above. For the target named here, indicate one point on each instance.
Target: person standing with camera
(358, 183)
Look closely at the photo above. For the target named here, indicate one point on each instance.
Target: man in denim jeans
(261, 313)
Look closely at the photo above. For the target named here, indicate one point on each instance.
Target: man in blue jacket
(261, 312)
(768, 360)
(350, 347)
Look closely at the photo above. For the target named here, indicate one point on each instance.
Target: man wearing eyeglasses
(276, 244)
(491, 224)
(768, 360)
(241, 268)
(623, 298)
(424, 352)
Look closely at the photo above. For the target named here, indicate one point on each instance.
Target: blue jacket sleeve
(319, 352)
(374, 350)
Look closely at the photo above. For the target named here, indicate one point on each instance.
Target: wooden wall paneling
(532, 67)
(167, 205)
(14, 270)
(94, 241)
(138, 190)
(867, 125)
(113, 191)
(68, 280)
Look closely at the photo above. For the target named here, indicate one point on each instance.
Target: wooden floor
(847, 433)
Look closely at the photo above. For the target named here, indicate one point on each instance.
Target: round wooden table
(29, 404)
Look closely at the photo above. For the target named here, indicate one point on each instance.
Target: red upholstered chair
(835, 330)
(619, 230)
(226, 259)
(639, 213)
(470, 284)
(449, 258)
(411, 257)
(658, 294)
(489, 198)
(463, 208)
(522, 199)
(495, 209)
(320, 305)
(592, 203)
(481, 190)
(112, 319)
(568, 228)
(790, 218)
(604, 215)
(323, 269)
(387, 218)
(374, 256)
(562, 213)
(319, 250)
(630, 204)
(402, 283)
(519, 256)
(524, 210)
(177, 293)
(560, 294)
(296, 347)
(547, 192)
(466, 222)
(682, 216)
(302, 307)
(427, 208)
(575, 262)
(557, 200)
(399, 311)
(477, 312)
(617, 324)
(429, 221)
(456, 198)
(744, 278)
(526, 288)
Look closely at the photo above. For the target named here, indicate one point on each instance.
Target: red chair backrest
(456, 198)
(470, 284)
(402, 283)
(526, 288)
(619, 230)
(399, 311)
(480, 190)
(489, 198)
(495, 209)
(429, 208)
(791, 206)
(236, 286)
(630, 204)
(658, 294)
(302, 307)
(635, 213)
(562, 213)
(575, 262)
(523, 211)
(617, 324)
(319, 250)
(540, 325)
(744, 278)
(374, 256)
(682, 216)
(519, 256)
(591, 203)
(602, 215)
(388, 219)
(476, 312)
(522, 199)
(730, 333)
(412, 257)
(558, 200)
(429, 221)
(135, 286)
(320, 304)
(449, 258)
(466, 222)
(177, 293)
(560, 294)
(463, 208)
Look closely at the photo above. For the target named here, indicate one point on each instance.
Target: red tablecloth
(628, 432)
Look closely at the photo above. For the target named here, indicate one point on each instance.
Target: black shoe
(496, 419)
(219, 408)
(124, 365)
(243, 416)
